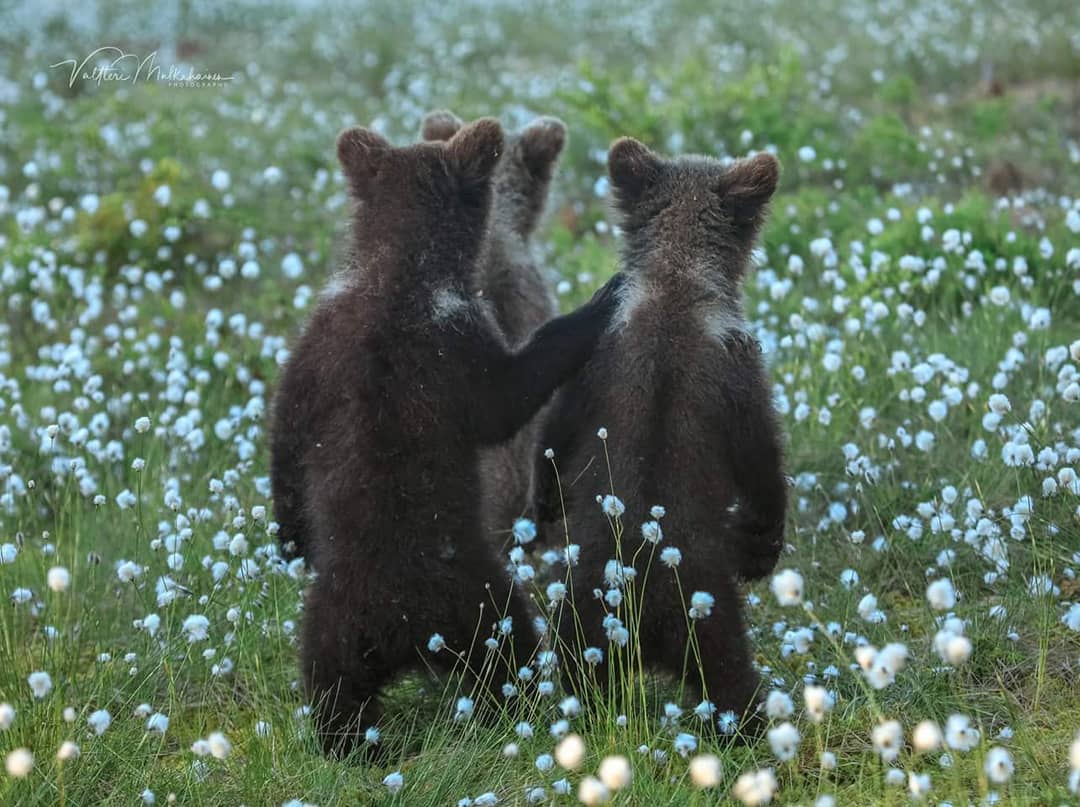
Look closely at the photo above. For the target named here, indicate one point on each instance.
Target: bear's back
(664, 386)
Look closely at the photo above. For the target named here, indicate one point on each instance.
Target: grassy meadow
(917, 294)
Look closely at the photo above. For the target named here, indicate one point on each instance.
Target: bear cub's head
(428, 199)
(525, 170)
(690, 214)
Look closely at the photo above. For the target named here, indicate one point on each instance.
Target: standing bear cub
(511, 283)
(679, 384)
(397, 381)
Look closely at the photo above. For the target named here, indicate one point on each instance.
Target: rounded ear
(751, 183)
(541, 143)
(440, 125)
(475, 150)
(361, 152)
(633, 168)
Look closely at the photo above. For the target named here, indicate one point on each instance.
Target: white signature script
(112, 64)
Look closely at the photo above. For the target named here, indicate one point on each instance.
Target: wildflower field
(917, 296)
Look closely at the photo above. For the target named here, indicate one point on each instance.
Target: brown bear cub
(511, 283)
(398, 379)
(679, 384)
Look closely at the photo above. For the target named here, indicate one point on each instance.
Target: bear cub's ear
(540, 144)
(633, 168)
(440, 125)
(361, 153)
(750, 184)
(474, 151)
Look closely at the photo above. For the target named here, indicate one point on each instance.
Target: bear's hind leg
(347, 656)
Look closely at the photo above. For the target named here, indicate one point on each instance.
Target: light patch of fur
(338, 284)
(632, 295)
(721, 322)
(447, 303)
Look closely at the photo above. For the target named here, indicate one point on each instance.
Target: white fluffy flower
(926, 737)
(998, 766)
(197, 627)
(784, 741)
(819, 701)
(706, 771)
(592, 791)
(941, 595)
(888, 738)
(787, 587)
(99, 721)
(755, 787)
(570, 752)
(393, 781)
(615, 772)
(40, 683)
(19, 763)
(778, 704)
(701, 604)
(960, 735)
(58, 579)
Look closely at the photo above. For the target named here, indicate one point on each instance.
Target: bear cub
(396, 382)
(511, 283)
(680, 386)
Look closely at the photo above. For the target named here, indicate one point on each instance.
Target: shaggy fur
(511, 283)
(398, 379)
(680, 386)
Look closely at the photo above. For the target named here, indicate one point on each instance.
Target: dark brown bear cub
(398, 379)
(511, 283)
(680, 386)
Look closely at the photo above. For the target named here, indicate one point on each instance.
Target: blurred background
(887, 96)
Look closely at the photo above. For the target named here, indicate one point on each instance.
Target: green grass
(102, 327)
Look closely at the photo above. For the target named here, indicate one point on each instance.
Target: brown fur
(397, 381)
(511, 283)
(681, 388)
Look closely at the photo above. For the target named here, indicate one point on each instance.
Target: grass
(971, 126)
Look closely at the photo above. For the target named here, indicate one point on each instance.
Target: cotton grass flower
(706, 771)
(393, 782)
(615, 772)
(701, 604)
(40, 684)
(197, 628)
(941, 595)
(67, 751)
(670, 556)
(888, 739)
(592, 791)
(685, 744)
(787, 587)
(784, 741)
(19, 763)
(960, 735)
(58, 579)
(998, 766)
(99, 721)
(819, 702)
(570, 752)
(755, 787)
(7, 716)
(919, 784)
(926, 737)
(778, 705)
(219, 745)
(612, 506)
